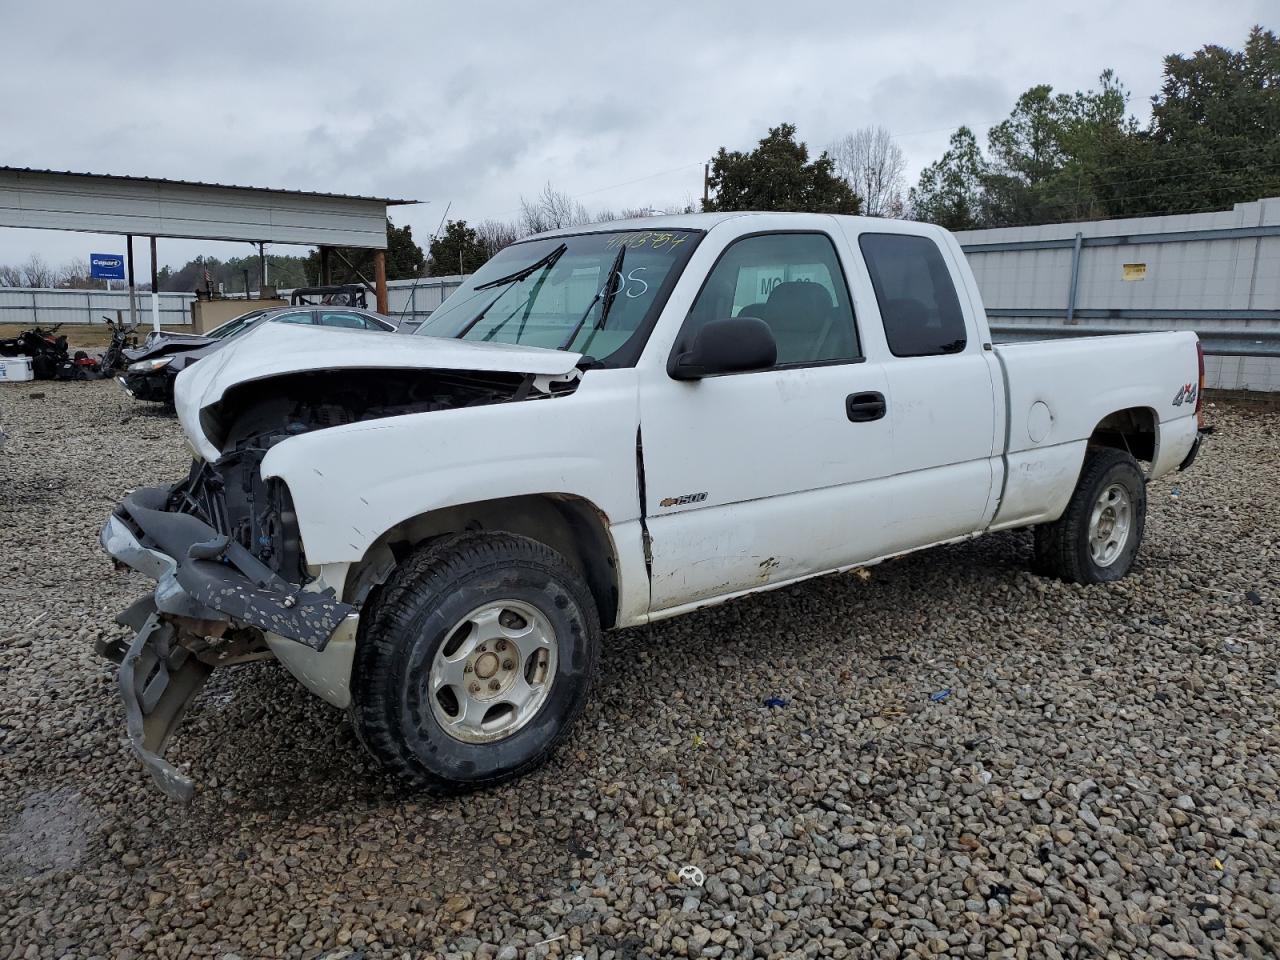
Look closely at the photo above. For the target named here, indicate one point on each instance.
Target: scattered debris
(940, 695)
(1176, 491)
(775, 702)
(699, 741)
(1254, 597)
(862, 573)
(692, 875)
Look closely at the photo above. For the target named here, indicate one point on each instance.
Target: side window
(302, 316)
(791, 281)
(342, 318)
(918, 302)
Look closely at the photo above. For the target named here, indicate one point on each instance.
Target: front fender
(352, 483)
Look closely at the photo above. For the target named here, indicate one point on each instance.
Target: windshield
(594, 293)
(232, 327)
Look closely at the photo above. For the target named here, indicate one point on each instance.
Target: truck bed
(1058, 391)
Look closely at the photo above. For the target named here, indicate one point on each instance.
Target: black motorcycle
(122, 338)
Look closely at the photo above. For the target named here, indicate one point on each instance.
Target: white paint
(792, 488)
(1038, 421)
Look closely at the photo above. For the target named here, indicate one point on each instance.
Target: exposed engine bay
(232, 497)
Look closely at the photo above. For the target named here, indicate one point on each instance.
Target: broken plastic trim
(158, 680)
(218, 574)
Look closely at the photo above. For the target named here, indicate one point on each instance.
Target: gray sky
(478, 103)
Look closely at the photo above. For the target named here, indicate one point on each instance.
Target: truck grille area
(233, 499)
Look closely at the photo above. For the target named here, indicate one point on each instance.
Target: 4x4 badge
(1186, 394)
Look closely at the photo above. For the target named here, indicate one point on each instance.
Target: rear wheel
(474, 661)
(1098, 535)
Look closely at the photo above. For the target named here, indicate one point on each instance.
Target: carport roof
(150, 206)
(390, 202)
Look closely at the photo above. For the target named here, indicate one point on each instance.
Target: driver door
(764, 476)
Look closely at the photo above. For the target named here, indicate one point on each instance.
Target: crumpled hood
(277, 349)
(160, 344)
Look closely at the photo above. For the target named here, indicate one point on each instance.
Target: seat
(799, 313)
(758, 310)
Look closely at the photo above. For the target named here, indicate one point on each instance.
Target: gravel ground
(1101, 780)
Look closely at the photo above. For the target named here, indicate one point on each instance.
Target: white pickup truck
(603, 427)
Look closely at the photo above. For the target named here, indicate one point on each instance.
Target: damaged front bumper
(212, 604)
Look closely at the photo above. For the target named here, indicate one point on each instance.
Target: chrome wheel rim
(1109, 525)
(493, 672)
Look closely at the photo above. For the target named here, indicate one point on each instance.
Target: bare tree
(552, 209)
(10, 276)
(496, 234)
(74, 274)
(875, 167)
(36, 272)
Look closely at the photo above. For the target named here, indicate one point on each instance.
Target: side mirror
(726, 346)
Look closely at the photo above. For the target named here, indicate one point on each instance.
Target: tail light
(1200, 391)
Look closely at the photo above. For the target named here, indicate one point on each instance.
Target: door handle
(862, 407)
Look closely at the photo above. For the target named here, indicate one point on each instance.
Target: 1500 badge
(681, 501)
(1186, 394)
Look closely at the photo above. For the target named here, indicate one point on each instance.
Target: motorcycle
(48, 353)
(122, 338)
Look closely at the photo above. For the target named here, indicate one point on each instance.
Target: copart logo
(681, 501)
(1186, 394)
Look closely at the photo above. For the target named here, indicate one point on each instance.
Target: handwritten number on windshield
(649, 238)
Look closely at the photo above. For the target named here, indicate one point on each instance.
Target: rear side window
(918, 302)
(303, 316)
(341, 318)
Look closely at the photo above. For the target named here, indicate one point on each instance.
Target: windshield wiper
(547, 261)
(609, 295)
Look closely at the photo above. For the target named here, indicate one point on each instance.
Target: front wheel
(474, 661)
(1098, 535)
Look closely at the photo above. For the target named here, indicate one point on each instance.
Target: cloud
(476, 104)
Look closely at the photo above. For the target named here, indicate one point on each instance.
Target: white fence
(43, 307)
(409, 302)
(1215, 273)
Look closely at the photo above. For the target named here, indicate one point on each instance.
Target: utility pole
(706, 184)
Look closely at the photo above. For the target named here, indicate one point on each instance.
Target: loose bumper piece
(205, 575)
(158, 680)
(205, 578)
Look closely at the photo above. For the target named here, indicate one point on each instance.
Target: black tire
(415, 613)
(1062, 547)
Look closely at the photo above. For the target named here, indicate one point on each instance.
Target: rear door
(764, 476)
(942, 395)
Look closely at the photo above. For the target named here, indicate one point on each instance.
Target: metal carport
(145, 206)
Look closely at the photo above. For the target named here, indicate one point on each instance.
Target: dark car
(156, 364)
